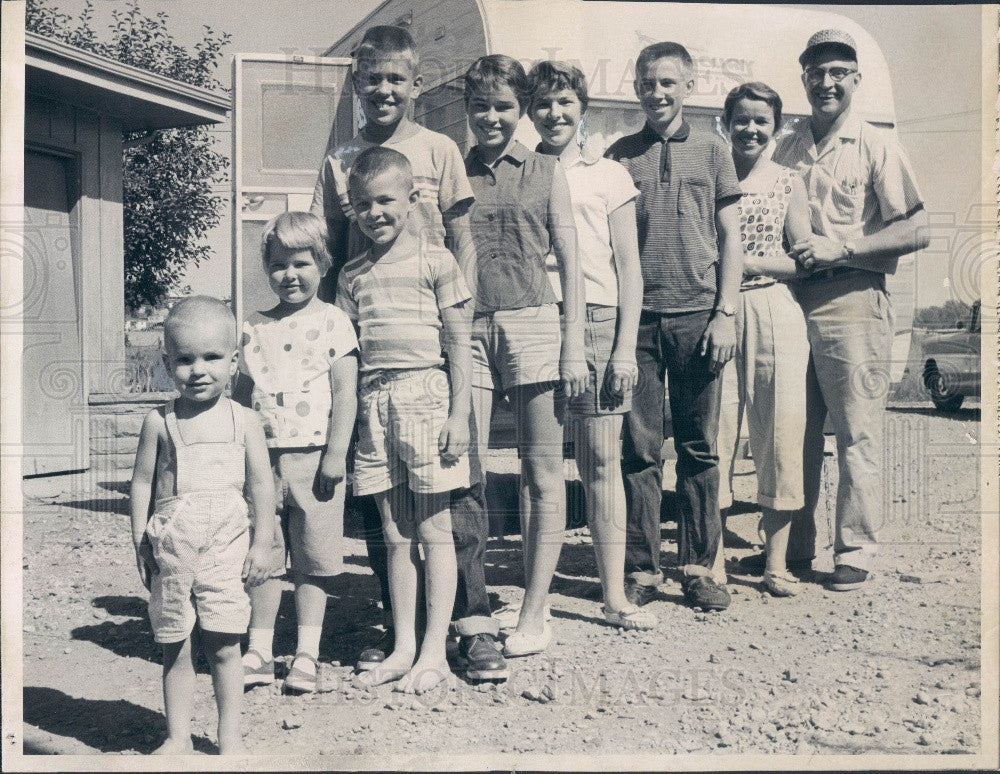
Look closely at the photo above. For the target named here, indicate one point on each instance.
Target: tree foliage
(169, 174)
(946, 315)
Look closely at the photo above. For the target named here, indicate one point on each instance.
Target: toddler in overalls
(197, 552)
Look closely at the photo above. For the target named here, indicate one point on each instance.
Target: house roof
(139, 98)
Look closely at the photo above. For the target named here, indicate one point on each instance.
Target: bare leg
(223, 653)
(178, 697)
(776, 525)
(396, 507)
(440, 577)
(544, 521)
(596, 445)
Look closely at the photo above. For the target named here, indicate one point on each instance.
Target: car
(951, 362)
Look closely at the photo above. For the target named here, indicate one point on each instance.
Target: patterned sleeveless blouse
(762, 223)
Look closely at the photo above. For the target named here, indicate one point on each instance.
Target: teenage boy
(692, 263)
(386, 81)
(866, 212)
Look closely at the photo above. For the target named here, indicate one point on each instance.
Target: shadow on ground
(106, 725)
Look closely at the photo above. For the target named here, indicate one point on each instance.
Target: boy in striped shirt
(692, 261)
(408, 302)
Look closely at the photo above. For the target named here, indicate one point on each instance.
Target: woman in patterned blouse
(772, 351)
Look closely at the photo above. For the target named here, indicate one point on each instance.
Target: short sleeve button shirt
(681, 181)
(511, 221)
(858, 179)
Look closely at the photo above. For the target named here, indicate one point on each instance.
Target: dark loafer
(846, 578)
(638, 593)
(480, 658)
(373, 657)
(701, 591)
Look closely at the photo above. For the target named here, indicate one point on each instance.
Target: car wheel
(951, 403)
(937, 386)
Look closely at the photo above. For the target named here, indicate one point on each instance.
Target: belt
(825, 274)
(385, 376)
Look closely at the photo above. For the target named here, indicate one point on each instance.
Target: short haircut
(752, 90)
(297, 231)
(376, 161)
(488, 73)
(665, 50)
(385, 40)
(551, 75)
(201, 311)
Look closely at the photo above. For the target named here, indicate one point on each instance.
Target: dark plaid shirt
(681, 181)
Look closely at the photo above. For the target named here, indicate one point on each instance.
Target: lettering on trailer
(714, 75)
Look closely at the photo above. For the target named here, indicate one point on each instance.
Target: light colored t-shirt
(438, 174)
(858, 180)
(289, 361)
(597, 187)
(397, 306)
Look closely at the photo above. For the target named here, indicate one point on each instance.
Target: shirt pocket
(847, 193)
(693, 197)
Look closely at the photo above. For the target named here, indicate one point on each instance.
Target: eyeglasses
(837, 74)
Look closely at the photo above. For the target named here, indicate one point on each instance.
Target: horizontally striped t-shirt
(438, 176)
(397, 303)
(681, 181)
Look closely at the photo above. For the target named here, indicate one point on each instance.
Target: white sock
(262, 641)
(308, 643)
(309, 640)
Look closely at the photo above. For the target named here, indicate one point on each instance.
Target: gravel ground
(891, 668)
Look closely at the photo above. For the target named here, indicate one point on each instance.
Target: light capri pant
(766, 382)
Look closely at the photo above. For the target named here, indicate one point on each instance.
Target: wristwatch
(726, 309)
(848, 251)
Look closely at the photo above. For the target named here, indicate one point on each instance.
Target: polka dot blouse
(762, 222)
(289, 361)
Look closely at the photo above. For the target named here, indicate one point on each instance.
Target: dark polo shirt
(512, 219)
(681, 181)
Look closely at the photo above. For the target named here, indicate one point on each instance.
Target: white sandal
(781, 584)
(631, 617)
(521, 644)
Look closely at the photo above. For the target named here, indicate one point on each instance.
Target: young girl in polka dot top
(298, 369)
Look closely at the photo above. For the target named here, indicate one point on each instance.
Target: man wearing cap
(866, 212)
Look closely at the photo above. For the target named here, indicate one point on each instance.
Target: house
(78, 107)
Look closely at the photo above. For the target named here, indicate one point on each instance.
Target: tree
(169, 205)
(946, 315)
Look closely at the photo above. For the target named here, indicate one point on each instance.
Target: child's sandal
(781, 584)
(299, 680)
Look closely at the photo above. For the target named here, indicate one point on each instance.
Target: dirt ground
(892, 668)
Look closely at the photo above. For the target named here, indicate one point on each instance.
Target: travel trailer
(285, 106)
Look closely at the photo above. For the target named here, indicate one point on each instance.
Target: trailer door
(285, 112)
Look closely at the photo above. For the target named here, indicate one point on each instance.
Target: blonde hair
(298, 231)
(386, 40)
(201, 311)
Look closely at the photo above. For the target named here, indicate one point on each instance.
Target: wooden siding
(448, 33)
(96, 142)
